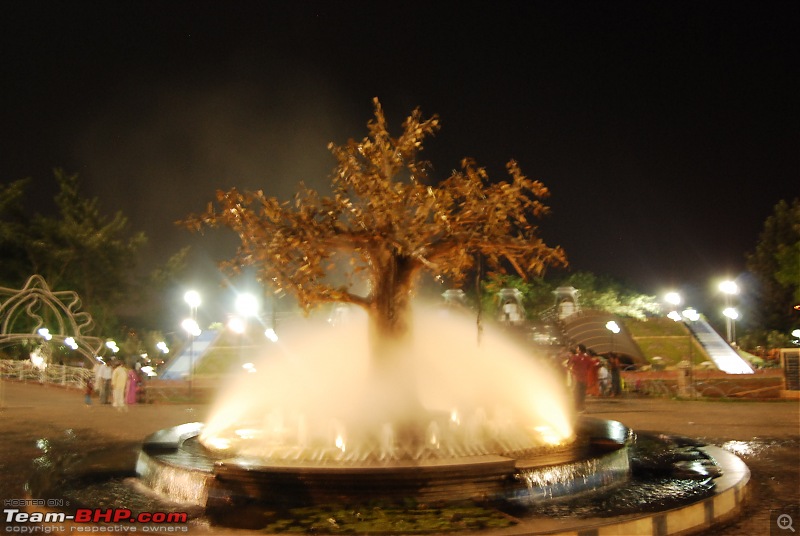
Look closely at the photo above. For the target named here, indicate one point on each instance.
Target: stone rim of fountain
(216, 483)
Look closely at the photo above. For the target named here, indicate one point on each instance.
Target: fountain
(303, 426)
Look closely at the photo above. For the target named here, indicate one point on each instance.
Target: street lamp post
(192, 299)
(686, 316)
(690, 315)
(731, 315)
(730, 288)
(247, 306)
(614, 328)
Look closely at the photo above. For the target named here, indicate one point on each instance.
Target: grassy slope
(666, 339)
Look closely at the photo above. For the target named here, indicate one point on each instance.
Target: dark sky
(666, 131)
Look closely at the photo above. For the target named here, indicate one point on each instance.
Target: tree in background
(78, 248)
(775, 264)
(606, 294)
(384, 225)
(598, 293)
(537, 293)
(14, 234)
(83, 250)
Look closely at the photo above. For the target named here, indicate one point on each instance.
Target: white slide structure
(724, 356)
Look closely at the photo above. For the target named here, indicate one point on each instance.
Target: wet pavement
(765, 434)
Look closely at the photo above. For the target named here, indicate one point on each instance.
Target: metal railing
(701, 388)
(63, 375)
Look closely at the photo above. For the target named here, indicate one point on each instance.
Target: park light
(614, 328)
(70, 341)
(112, 345)
(247, 305)
(236, 325)
(271, 335)
(190, 326)
(731, 313)
(691, 314)
(162, 346)
(674, 299)
(729, 287)
(45, 334)
(192, 298)
(38, 360)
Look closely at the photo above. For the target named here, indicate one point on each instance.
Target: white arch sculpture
(34, 300)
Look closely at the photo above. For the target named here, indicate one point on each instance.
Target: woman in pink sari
(132, 389)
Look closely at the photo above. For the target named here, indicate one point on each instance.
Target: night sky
(666, 131)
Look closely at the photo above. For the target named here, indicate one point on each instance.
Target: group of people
(591, 375)
(115, 384)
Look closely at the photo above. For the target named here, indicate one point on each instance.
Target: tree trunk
(390, 314)
(393, 381)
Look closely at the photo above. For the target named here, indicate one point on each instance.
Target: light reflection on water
(747, 449)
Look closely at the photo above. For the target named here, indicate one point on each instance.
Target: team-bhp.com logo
(94, 516)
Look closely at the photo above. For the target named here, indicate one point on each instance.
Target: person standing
(592, 380)
(102, 380)
(603, 379)
(132, 389)
(119, 380)
(88, 388)
(580, 365)
(616, 379)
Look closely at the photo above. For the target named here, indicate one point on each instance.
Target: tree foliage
(76, 247)
(14, 233)
(84, 250)
(537, 293)
(387, 222)
(597, 293)
(775, 263)
(81, 248)
(607, 294)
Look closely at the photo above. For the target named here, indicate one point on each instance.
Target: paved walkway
(766, 435)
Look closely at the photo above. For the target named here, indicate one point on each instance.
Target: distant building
(567, 303)
(511, 311)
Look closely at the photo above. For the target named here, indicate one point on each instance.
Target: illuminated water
(311, 396)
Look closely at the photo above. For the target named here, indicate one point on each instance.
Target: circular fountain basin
(173, 462)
